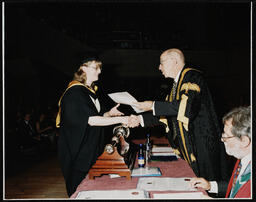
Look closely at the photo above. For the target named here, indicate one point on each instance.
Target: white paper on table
(162, 149)
(114, 175)
(164, 184)
(184, 195)
(147, 171)
(113, 194)
(163, 154)
(125, 98)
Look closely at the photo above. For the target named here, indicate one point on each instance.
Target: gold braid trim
(185, 158)
(72, 83)
(192, 157)
(176, 151)
(184, 143)
(181, 113)
(164, 120)
(183, 104)
(93, 90)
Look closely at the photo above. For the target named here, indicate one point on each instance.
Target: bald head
(171, 62)
(174, 53)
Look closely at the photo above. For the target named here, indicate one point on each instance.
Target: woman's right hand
(124, 120)
(134, 121)
(130, 121)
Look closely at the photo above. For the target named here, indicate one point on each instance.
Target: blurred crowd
(32, 136)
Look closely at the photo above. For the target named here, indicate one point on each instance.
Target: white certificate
(125, 98)
(148, 171)
(161, 149)
(164, 184)
(113, 194)
(180, 195)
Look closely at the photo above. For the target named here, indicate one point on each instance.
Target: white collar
(96, 103)
(246, 159)
(244, 163)
(177, 77)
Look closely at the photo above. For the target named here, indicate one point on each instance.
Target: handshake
(132, 120)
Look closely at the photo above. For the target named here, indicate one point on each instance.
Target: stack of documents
(146, 172)
(113, 194)
(160, 153)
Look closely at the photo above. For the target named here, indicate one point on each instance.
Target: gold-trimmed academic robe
(191, 117)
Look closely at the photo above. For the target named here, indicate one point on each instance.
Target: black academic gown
(79, 143)
(191, 116)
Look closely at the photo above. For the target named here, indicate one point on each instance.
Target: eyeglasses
(96, 68)
(224, 139)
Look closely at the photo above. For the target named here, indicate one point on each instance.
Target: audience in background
(34, 129)
(45, 127)
(27, 134)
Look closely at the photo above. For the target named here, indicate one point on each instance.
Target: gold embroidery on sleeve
(181, 78)
(190, 86)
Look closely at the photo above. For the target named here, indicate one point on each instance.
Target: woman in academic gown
(80, 120)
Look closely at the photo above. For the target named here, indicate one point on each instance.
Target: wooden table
(179, 168)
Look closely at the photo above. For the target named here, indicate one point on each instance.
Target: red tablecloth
(178, 168)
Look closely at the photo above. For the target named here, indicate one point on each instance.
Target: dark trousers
(76, 177)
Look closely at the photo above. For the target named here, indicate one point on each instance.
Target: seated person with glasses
(237, 140)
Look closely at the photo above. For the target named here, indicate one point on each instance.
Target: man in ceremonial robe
(188, 113)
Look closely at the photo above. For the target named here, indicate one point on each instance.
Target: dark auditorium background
(46, 40)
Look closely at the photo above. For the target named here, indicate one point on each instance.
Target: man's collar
(177, 77)
(245, 160)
